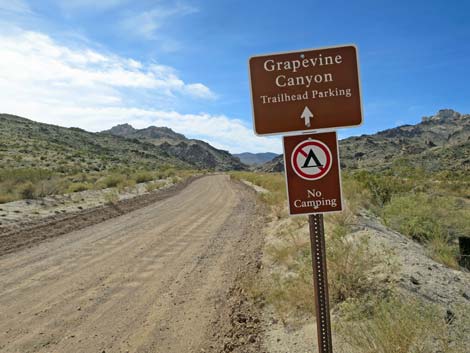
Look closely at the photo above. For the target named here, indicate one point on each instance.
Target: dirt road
(158, 279)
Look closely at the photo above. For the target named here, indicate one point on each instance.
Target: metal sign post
(301, 91)
(320, 283)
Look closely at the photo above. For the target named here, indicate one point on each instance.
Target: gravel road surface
(157, 279)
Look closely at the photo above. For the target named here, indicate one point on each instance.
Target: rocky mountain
(150, 133)
(439, 142)
(255, 158)
(28, 144)
(276, 165)
(192, 151)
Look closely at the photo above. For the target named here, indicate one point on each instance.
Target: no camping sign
(312, 173)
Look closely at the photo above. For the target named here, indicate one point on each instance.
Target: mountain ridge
(193, 151)
(25, 143)
(438, 142)
(252, 159)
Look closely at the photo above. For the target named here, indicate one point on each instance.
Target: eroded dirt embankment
(161, 278)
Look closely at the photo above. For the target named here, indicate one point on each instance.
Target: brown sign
(312, 172)
(305, 90)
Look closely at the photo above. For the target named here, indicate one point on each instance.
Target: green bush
(23, 175)
(113, 180)
(383, 187)
(143, 177)
(423, 216)
(435, 221)
(77, 187)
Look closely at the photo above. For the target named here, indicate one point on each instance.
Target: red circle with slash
(311, 159)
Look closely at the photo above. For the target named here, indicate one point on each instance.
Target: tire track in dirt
(153, 280)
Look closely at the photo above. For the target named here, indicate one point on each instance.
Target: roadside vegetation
(369, 314)
(431, 208)
(33, 183)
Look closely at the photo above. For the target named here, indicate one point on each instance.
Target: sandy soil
(162, 278)
(33, 227)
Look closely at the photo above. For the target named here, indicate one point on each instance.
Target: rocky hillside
(256, 158)
(276, 165)
(439, 142)
(28, 144)
(195, 152)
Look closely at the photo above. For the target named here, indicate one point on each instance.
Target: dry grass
(400, 325)
(30, 183)
(370, 318)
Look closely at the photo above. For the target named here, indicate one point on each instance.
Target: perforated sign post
(302, 91)
(312, 170)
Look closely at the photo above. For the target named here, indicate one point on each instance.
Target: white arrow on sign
(306, 114)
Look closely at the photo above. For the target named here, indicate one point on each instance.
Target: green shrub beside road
(433, 209)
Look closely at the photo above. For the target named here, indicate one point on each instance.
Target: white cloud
(49, 82)
(32, 59)
(147, 23)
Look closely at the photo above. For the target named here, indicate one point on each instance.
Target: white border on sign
(339, 175)
(296, 132)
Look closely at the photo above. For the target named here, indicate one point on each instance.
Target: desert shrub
(126, 183)
(4, 198)
(112, 180)
(143, 177)
(442, 250)
(111, 197)
(435, 221)
(350, 259)
(398, 325)
(350, 262)
(50, 187)
(77, 187)
(382, 187)
(27, 191)
(154, 186)
(29, 183)
(23, 175)
(357, 196)
(290, 295)
(165, 172)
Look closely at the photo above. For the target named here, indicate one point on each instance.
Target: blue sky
(183, 64)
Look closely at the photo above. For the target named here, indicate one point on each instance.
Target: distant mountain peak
(256, 158)
(122, 130)
(153, 132)
(192, 151)
(443, 114)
